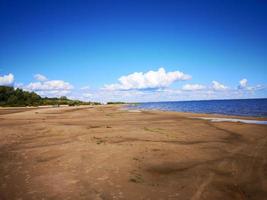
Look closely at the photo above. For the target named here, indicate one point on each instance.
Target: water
(239, 107)
(247, 121)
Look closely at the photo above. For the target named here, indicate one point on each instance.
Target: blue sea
(238, 107)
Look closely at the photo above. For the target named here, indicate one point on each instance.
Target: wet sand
(104, 152)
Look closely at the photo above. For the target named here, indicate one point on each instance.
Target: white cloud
(49, 88)
(257, 87)
(218, 86)
(40, 77)
(165, 94)
(58, 92)
(148, 80)
(7, 80)
(156, 95)
(85, 87)
(243, 84)
(53, 93)
(193, 87)
(50, 85)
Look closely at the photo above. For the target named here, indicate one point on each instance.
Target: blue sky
(94, 43)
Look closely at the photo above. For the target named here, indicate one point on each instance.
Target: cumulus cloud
(218, 86)
(167, 94)
(51, 88)
(54, 93)
(148, 80)
(40, 77)
(50, 85)
(193, 87)
(243, 83)
(7, 80)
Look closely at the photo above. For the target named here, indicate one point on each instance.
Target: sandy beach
(105, 152)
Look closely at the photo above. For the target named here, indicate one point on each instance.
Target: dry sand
(104, 152)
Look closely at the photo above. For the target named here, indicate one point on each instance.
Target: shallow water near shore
(246, 121)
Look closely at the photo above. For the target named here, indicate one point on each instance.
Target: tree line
(9, 96)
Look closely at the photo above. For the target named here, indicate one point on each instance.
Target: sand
(104, 152)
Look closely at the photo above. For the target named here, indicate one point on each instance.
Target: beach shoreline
(125, 107)
(195, 114)
(104, 152)
(230, 107)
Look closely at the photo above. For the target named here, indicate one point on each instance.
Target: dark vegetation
(18, 97)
